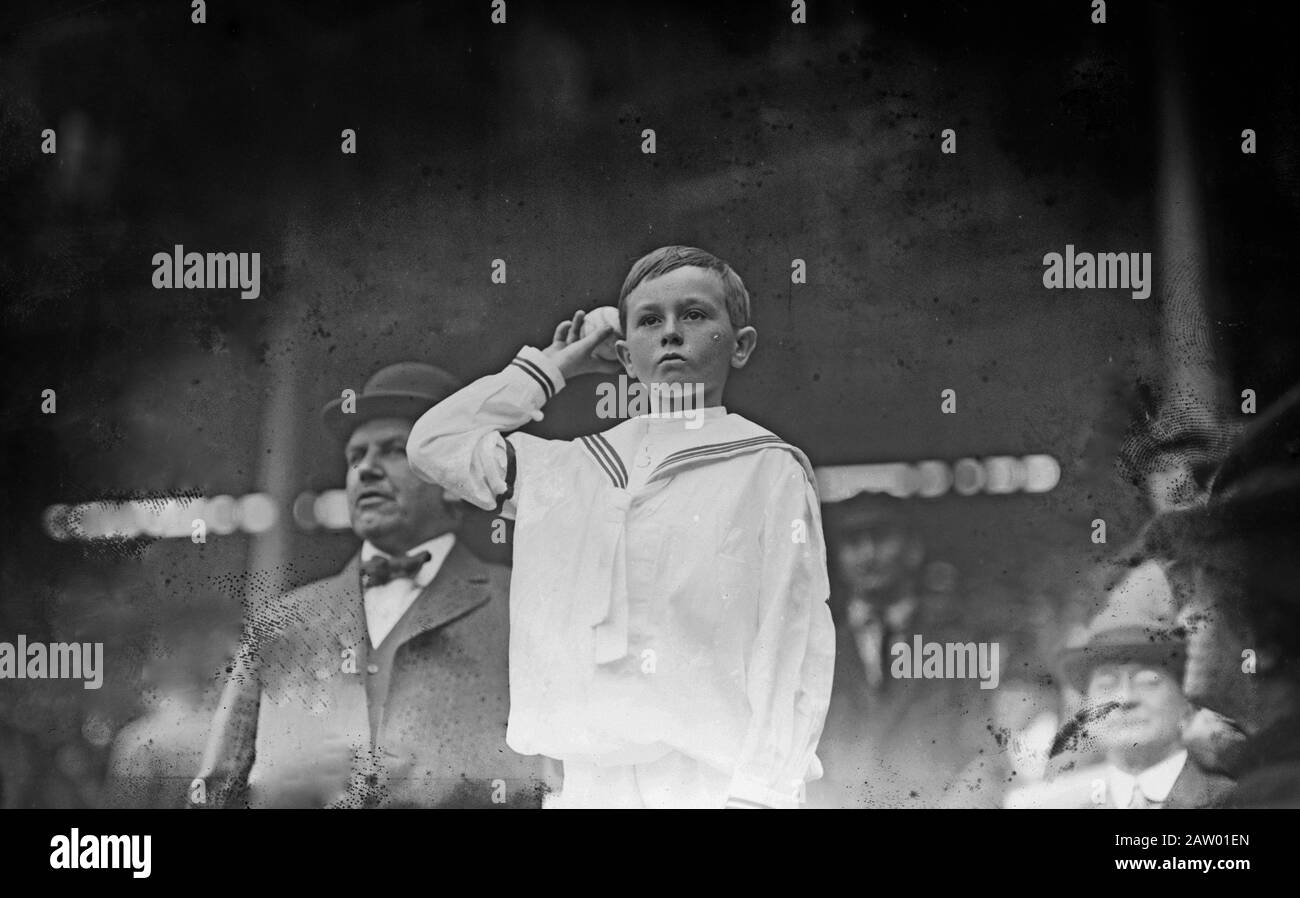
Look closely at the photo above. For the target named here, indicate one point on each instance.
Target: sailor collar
(729, 436)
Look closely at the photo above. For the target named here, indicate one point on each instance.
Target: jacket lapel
(461, 585)
(1196, 788)
(345, 605)
(333, 614)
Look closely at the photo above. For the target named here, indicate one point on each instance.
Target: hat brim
(1267, 507)
(1163, 648)
(341, 424)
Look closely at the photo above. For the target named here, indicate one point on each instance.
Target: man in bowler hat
(1236, 564)
(385, 685)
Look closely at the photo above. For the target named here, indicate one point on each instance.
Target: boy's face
(678, 331)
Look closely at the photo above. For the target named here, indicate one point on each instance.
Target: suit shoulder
(499, 573)
(269, 615)
(496, 575)
(1275, 785)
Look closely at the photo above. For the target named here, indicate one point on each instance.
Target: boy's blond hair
(670, 258)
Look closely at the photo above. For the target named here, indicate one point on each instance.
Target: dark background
(523, 142)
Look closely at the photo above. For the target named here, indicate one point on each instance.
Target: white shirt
(659, 437)
(1156, 781)
(681, 608)
(386, 604)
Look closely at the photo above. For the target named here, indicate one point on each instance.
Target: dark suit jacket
(310, 718)
(1270, 777)
(1194, 788)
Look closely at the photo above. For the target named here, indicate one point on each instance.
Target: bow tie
(379, 570)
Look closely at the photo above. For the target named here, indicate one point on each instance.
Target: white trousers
(673, 781)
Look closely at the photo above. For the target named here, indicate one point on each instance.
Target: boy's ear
(625, 357)
(746, 342)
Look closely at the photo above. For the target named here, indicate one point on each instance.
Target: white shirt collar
(438, 548)
(1157, 781)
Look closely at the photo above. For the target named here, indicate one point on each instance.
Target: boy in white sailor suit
(670, 640)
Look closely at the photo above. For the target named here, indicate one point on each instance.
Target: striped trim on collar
(607, 458)
(611, 462)
(713, 452)
(716, 450)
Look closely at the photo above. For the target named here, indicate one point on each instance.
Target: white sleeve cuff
(535, 363)
(747, 791)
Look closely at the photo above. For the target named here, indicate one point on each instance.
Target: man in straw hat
(1235, 561)
(387, 684)
(1128, 664)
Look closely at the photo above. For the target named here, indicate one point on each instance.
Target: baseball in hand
(594, 321)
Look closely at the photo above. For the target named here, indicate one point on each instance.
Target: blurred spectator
(1236, 563)
(891, 742)
(1128, 664)
(154, 757)
(1025, 719)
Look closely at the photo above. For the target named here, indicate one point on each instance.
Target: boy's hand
(574, 356)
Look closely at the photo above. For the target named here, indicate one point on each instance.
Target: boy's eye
(648, 319)
(694, 313)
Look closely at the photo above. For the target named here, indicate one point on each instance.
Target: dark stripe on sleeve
(511, 471)
(536, 370)
(541, 382)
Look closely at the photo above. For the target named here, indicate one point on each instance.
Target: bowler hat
(868, 512)
(405, 390)
(1136, 624)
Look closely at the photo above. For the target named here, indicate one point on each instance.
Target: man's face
(875, 559)
(678, 331)
(1216, 640)
(1148, 707)
(388, 504)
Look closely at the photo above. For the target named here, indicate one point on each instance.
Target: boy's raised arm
(790, 668)
(458, 443)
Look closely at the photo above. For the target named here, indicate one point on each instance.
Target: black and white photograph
(521, 405)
